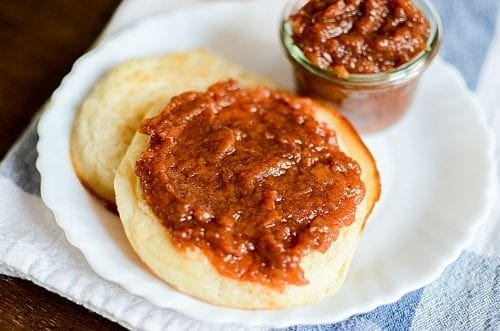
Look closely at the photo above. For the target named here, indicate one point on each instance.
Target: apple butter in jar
(363, 56)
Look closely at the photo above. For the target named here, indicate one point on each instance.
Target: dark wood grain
(39, 41)
(26, 306)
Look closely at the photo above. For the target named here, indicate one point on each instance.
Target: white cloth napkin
(33, 247)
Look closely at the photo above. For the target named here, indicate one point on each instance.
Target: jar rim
(401, 74)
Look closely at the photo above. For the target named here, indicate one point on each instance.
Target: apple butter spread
(360, 36)
(249, 177)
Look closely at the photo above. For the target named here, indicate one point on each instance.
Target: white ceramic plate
(436, 167)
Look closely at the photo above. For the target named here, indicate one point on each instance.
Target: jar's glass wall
(371, 101)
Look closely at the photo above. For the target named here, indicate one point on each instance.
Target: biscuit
(190, 270)
(109, 116)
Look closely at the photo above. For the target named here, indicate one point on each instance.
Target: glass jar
(372, 102)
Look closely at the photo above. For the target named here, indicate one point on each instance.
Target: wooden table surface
(39, 41)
